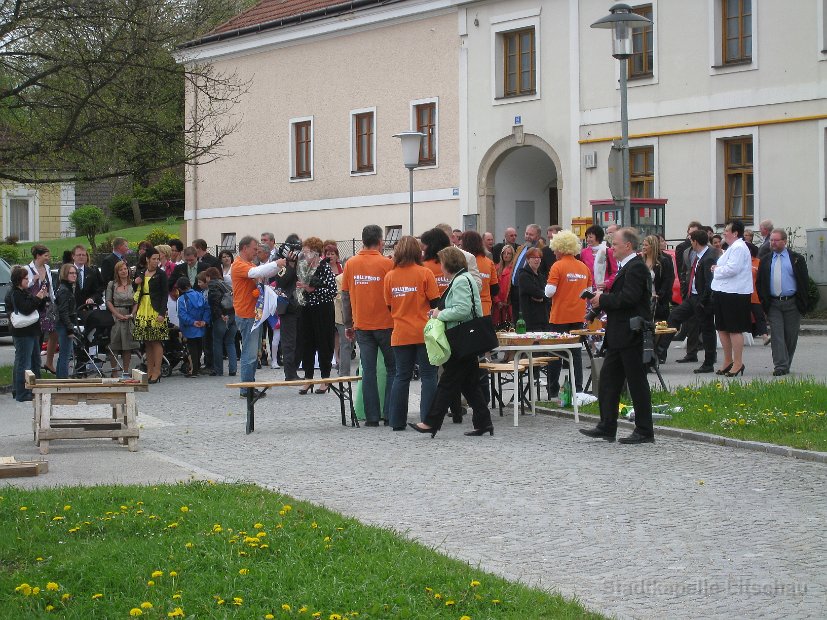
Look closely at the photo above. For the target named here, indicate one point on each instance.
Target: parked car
(5, 284)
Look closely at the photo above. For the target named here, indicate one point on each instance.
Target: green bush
(11, 254)
(813, 295)
(157, 236)
(88, 220)
(162, 199)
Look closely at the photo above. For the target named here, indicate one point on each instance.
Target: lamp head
(621, 21)
(411, 143)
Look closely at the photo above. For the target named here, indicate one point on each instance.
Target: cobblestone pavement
(677, 529)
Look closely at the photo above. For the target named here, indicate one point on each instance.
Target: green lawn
(231, 551)
(5, 375)
(133, 235)
(789, 412)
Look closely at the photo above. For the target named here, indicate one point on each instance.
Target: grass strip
(231, 551)
(787, 412)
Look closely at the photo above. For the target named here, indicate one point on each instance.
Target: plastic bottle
(565, 393)
(520, 326)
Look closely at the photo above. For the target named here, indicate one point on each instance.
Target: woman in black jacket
(67, 317)
(663, 276)
(26, 339)
(151, 325)
(224, 327)
(534, 305)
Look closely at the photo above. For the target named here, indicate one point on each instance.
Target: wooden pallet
(12, 468)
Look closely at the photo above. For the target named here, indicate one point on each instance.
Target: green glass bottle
(520, 326)
(565, 393)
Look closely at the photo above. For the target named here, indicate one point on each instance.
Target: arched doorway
(519, 183)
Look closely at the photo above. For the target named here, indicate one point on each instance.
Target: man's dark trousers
(621, 365)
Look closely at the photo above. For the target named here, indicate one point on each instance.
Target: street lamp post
(411, 143)
(621, 21)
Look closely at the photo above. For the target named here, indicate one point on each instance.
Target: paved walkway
(678, 529)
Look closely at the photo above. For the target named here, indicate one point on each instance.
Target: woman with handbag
(151, 325)
(410, 292)
(460, 307)
(25, 330)
(40, 276)
(120, 302)
(67, 317)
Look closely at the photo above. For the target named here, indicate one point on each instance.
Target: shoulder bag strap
(473, 304)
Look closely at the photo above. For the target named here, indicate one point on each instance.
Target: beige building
(314, 152)
(32, 212)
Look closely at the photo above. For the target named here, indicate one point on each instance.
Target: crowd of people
(381, 298)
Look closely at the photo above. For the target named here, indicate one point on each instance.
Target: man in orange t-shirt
(366, 316)
(567, 279)
(245, 281)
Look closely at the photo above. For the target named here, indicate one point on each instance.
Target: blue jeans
(26, 357)
(66, 345)
(250, 344)
(406, 356)
(223, 339)
(370, 341)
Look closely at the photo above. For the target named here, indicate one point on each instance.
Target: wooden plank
(18, 470)
(260, 384)
(65, 399)
(88, 389)
(78, 433)
(89, 425)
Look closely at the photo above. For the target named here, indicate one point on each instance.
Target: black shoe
(688, 359)
(399, 428)
(478, 432)
(661, 359)
(212, 373)
(779, 372)
(374, 423)
(635, 438)
(704, 369)
(419, 429)
(386, 422)
(26, 398)
(596, 433)
(232, 374)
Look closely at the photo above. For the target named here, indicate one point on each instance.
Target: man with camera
(627, 309)
(286, 256)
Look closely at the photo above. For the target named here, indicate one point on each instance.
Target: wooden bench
(119, 393)
(340, 386)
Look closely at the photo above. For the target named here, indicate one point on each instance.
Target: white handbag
(19, 320)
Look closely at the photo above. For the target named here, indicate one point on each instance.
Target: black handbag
(473, 337)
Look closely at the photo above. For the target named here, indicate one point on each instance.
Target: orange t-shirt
(436, 268)
(488, 274)
(408, 291)
(244, 303)
(363, 279)
(570, 276)
(754, 298)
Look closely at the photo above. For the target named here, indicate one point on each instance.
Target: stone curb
(718, 440)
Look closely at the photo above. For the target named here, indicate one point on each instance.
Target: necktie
(520, 261)
(776, 277)
(80, 273)
(692, 274)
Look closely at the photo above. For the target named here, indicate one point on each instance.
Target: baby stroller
(92, 355)
(175, 354)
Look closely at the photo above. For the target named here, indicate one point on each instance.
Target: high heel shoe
(323, 390)
(419, 429)
(477, 432)
(306, 389)
(724, 370)
(51, 369)
(740, 371)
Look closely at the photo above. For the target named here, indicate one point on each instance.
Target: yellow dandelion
(429, 590)
(24, 508)
(334, 617)
(172, 573)
(327, 539)
(437, 595)
(465, 618)
(237, 600)
(279, 526)
(52, 586)
(217, 528)
(265, 546)
(475, 583)
(285, 607)
(268, 616)
(314, 525)
(50, 607)
(150, 583)
(282, 513)
(243, 571)
(176, 597)
(258, 526)
(35, 591)
(176, 613)
(303, 609)
(219, 601)
(24, 588)
(287, 508)
(97, 596)
(450, 603)
(261, 535)
(135, 612)
(189, 545)
(146, 605)
(495, 601)
(67, 507)
(58, 518)
(172, 525)
(139, 512)
(65, 597)
(185, 508)
(38, 559)
(157, 573)
(317, 614)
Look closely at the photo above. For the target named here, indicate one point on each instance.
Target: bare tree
(91, 87)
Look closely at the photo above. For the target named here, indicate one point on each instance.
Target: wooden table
(256, 388)
(563, 351)
(119, 393)
(659, 332)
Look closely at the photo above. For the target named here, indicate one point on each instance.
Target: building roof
(269, 14)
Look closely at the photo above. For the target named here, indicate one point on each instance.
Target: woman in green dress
(151, 325)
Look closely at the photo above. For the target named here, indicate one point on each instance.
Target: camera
(288, 248)
(592, 312)
(586, 294)
(640, 325)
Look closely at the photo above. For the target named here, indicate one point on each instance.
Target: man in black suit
(783, 284)
(120, 248)
(189, 269)
(630, 297)
(89, 285)
(697, 303)
(205, 258)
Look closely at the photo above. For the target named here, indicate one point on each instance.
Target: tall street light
(411, 143)
(621, 21)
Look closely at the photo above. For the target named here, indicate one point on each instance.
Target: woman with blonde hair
(663, 276)
(410, 292)
(166, 262)
(501, 310)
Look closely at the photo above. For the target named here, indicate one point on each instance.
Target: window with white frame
(733, 35)
(641, 64)
(735, 172)
(301, 149)
(228, 241)
(822, 29)
(20, 214)
(425, 119)
(363, 141)
(516, 56)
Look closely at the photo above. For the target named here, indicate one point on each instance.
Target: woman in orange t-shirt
(432, 242)
(410, 292)
(472, 243)
(502, 307)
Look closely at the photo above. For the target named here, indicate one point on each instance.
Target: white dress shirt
(733, 272)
